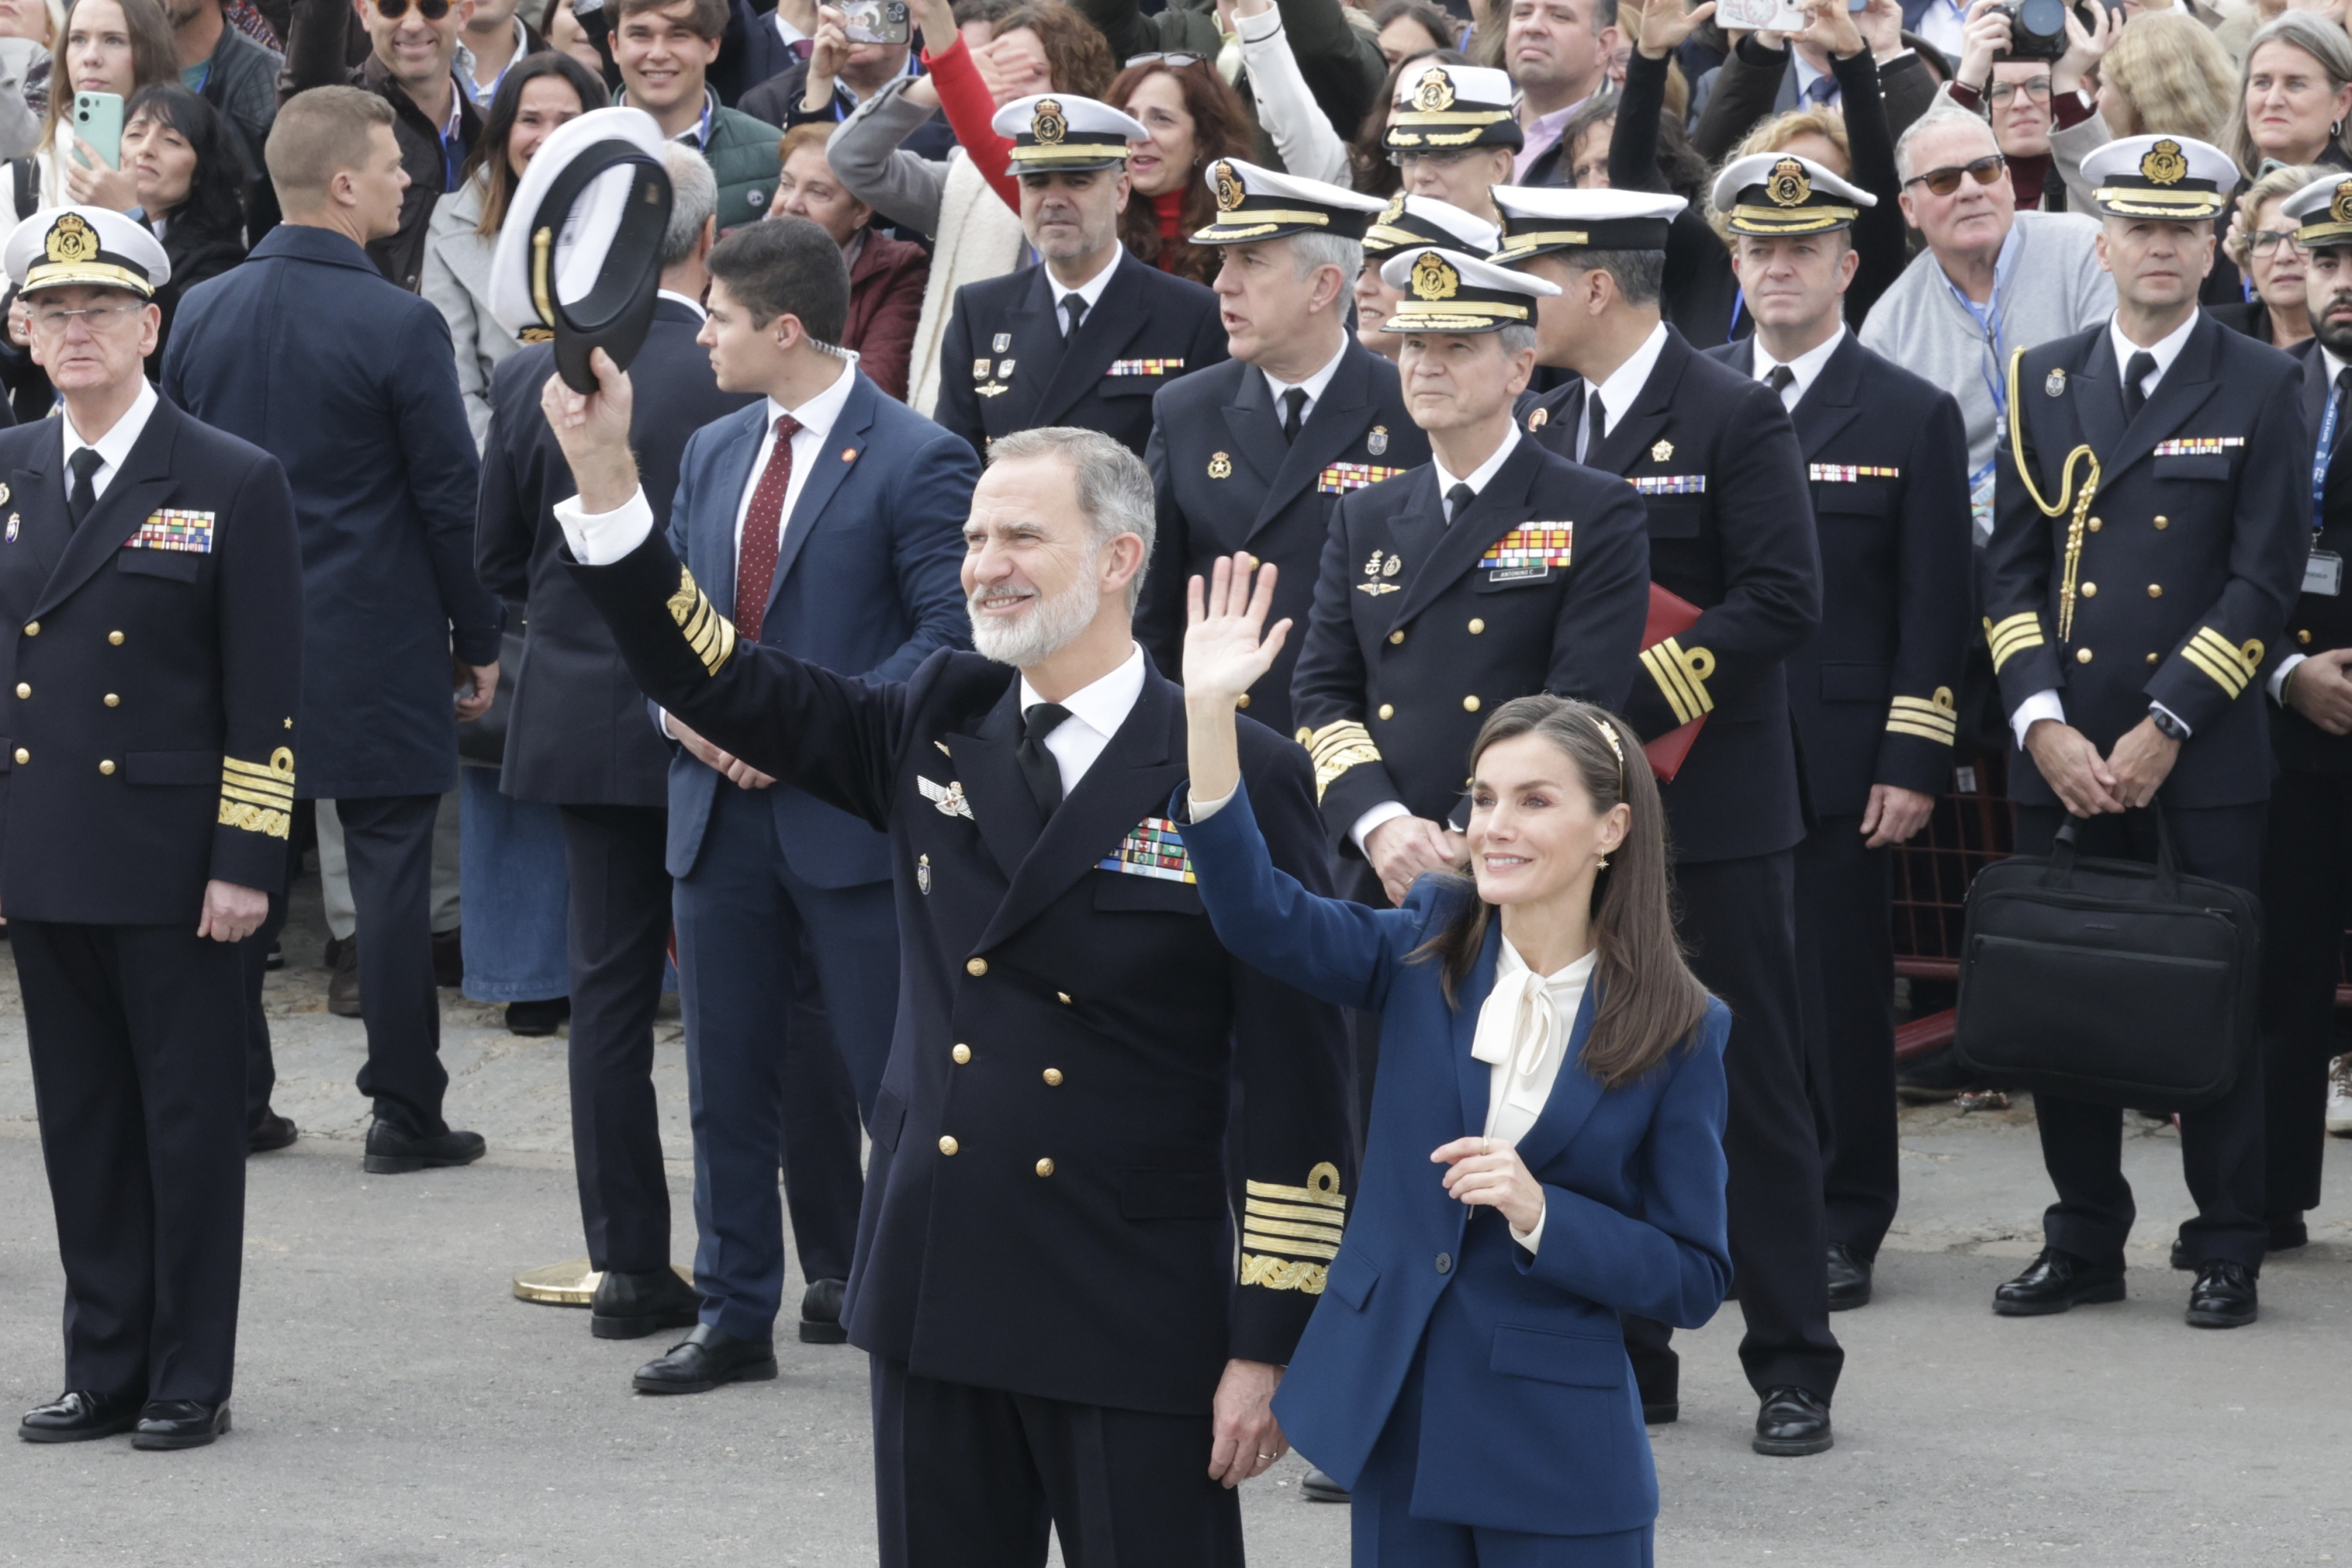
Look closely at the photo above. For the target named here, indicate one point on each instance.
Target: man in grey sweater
(1991, 280)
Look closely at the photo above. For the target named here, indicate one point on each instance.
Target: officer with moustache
(1711, 452)
(1871, 690)
(1494, 570)
(2131, 602)
(148, 570)
(1089, 335)
(1254, 453)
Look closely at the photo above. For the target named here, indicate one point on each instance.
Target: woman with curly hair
(1194, 118)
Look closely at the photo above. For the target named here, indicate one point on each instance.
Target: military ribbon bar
(2195, 445)
(1152, 847)
(1533, 545)
(1848, 473)
(1144, 366)
(190, 532)
(1670, 484)
(1341, 477)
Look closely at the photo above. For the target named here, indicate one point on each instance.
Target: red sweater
(969, 106)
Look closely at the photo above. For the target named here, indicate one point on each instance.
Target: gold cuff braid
(709, 633)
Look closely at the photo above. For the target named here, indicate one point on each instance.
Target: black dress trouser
(260, 1062)
(2221, 1145)
(618, 926)
(388, 844)
(1738, 918)
(2306, 905)
(1845, 957)
(138, 1038)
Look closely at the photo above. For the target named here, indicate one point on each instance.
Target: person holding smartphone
(111, 49)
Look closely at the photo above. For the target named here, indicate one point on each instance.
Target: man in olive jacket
(665, 49)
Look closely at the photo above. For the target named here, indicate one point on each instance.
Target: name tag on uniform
(2324, 574)
(190, 532)
(1152, 847)
(1340, 477)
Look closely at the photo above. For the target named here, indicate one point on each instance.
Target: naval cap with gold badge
(88, 248)
(2160, 176)
(579, 259)
(1425, 220)
(1061, 130)
(1440, 107)
(1258, 204)
(1447, 292)
(1539, 220)
(1770, 193)
(2323, 212)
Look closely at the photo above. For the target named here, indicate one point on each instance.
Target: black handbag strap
(2064, 850)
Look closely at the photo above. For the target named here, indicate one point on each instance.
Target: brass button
(23, 755)
(2153, 659)
(1476, 625)
(1396, 636)
(2090, 590)
(1065, 996)
(2163, 522)
(1052, 1078)
(1387, 711)
(114, 638)
(33, 630)
(962, 1054)
(2156, 590)
(2302, 637)
(1046, 1167)
(949, 1145)
(112, 700)
(1244, 701)
(1469, 705)
(2082, 656)
(24, 688)
(975, 966)
(107, 768)
(2095, 525)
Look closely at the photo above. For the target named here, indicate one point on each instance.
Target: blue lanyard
(2320, 458)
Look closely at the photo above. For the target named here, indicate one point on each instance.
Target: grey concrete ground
(396, 1406)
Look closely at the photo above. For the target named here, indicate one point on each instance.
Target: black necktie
(2343, 408)
(1596, 424)
(2142, 366)
(1074, 306)
(1037, 764)
(80, 494)
(1457, 498)
(1778, 379)
(1294, 412)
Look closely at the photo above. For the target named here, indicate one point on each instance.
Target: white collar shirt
(690, 302)
(1624, 384)
(2163, 351)
(1806, 367)
(817, 416)
(1478, 479)
(1097, 710)
(114, 446)
(1091, 290)
(1313, 385)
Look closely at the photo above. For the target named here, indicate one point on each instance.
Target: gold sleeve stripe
(1930, 719)
(1256, 1241)
(1307, 1213)
(264, 820)
(276, 773)
(2230, 668)
(1282, 1274)
(1322, 1188)
(258, 797)
(1682, 676)
(710, 635)
(2011, 636)
(1256, 1222)
(1337, 747)
(246, 785)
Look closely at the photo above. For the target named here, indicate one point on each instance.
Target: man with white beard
(1063, 1328)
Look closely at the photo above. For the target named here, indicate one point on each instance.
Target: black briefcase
(2109, 981)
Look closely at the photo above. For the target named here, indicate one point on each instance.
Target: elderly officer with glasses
(148, 570)
(1452, 134)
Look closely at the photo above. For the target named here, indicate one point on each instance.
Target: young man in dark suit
(1713, 457)
(1254, 453)
(1064, 1325)
(1088, 335)
(1872, 691)
(2127, 645)
(150, 580)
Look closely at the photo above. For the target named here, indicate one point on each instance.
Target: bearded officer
(1254, 453)
(1871, 690)
(1090, 334)
(149, 566)
(2127, 652)
(1712, 454)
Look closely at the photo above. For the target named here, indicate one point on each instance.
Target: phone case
(98, 124)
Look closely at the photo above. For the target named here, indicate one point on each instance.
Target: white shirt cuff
(1532, 1237)
(599, 539)
(2278, 677)
(1204, 809)
(2160, 708)
(2043, 704)
(1251, 29)
(1386, 811)
(661, 723)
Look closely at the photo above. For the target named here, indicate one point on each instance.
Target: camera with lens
(2037, 28)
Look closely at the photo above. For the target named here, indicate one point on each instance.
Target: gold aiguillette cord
(2066, 498)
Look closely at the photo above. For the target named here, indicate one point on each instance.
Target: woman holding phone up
(1546, 1145)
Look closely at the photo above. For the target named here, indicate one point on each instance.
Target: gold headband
(1610, 735)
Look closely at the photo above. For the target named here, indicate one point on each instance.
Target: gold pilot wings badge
(948, 797)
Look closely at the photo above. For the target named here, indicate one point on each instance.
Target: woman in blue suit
(1546, 1147)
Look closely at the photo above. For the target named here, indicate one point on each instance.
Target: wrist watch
(2166, 723)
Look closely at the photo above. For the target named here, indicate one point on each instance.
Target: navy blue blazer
(1529, 1420)
(867, 583)
(349, 382)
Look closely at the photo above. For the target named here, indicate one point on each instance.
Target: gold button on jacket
(1052, 1078)
(962, 1054)
(975, 966)
(1046, 1167)
(107, 768)
(948, 1145)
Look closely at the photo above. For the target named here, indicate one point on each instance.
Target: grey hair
(1944, 113)
(2323, 41)
(1517, 337)
(1640, 275)
(1114, 489)
(694, 198)
(1309, 251)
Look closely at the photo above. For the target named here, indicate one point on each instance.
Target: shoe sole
(756, 1372)
(1848, 1304)
(407, 1164)
(1323, 1494)
(619, 1327)
(1783, 1448)
(79, 1434)
(1662, 1415)
(189, 1440)
(2095, 1296)
(816, 1331)
(2198, 1320)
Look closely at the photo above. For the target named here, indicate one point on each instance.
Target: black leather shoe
(2288, 1233)
(179, 1424)
(1791, 1424)
(536, 1020)
(630, 1306)
(2179, 1256)
(2223, 1297)
(1320, 1487)
(449, 958)
(821, 1313)
(79, 1416)
(272, 1132)
(1849, 1278)
(2054, 1281)
(392, 1153)
(705, 1359)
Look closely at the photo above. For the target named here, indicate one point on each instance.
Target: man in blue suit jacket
(829, 518)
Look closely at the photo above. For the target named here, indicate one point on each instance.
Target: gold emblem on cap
(1228, 187)
(1788, 187)
(1435, 91)
(2340, 209)
(2164, 164)
(1433, 279)
(1393, 211)
(71, 239)
(1046, 123)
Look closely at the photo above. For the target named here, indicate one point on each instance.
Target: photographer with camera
(2027, 84)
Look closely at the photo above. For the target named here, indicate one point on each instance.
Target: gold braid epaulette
(2082, 503)
(1336, 748)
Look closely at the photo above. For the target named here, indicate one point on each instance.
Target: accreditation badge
(2324, 574)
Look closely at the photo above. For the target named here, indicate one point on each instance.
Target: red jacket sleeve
(970, 107)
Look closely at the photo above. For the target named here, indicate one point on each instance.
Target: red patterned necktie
(755, 556)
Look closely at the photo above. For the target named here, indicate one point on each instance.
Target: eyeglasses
(2263, 241)
(1175, 60)
(53, 322)
(393, 10)
(1944, 182)
(1443, 159)
(2036, 89)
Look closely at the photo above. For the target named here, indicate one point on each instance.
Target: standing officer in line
(1872, 691)
(1495, 571)
(2307, 849)
(1088, 335)
(1712, 453)
(1254, 453)
(149, 565)
(2130, 602)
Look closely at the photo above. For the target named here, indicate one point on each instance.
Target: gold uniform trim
(1290, 1233)
(709, 633)
(1335, 748)
(2231, 667)
(1071, 153)
(2012, 635)
(1682, 676)
(2140, 201)
(1282, 1274)
(1930, 719)
(1322, 1188)
(258, 797)
(1784, 220)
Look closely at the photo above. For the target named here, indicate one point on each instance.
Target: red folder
(1671, 614)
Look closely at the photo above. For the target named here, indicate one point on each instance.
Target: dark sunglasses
(393, 10)
(1944, 182)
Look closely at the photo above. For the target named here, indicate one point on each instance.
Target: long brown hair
(1077, 57)
(1650, 1001)
(153, 59)
(1221, 129)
